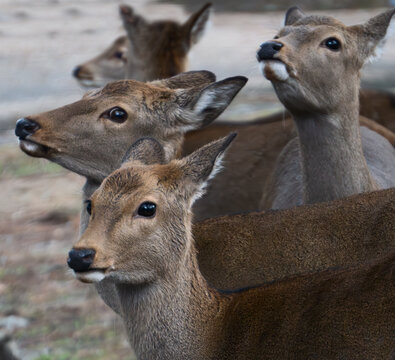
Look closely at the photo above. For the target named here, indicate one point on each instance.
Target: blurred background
(47, 313)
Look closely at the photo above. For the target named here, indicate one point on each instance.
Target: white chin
(274, 70)
(90, 276)
(92, 83)
(28, 146)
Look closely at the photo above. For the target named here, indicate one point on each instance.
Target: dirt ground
(41, 41)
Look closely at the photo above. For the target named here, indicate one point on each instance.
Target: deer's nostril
(277, 46)
(81, 259)
(25, 127)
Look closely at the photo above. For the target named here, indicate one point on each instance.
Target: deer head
(314, 62)
(108, 66)
(144, 207)
(90, 136)
(159, 49)
(150, 51)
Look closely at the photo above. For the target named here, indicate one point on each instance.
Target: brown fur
(169, 310)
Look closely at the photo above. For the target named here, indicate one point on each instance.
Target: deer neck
(333, 162)
(172, 318)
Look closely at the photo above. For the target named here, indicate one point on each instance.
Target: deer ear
(187, 80)
(196, 24)
(372, 34)
(202, 165)
(131, 21)
(147, 151)
(292, 15)
(199, 106)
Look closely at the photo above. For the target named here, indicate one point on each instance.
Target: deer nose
(268, 49)
(81, 259)
(25, 127)
(76, 71)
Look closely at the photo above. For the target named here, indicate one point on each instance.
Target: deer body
(170, 311)
(325, 108)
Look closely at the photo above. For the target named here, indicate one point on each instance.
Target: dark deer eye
(332, 44)
(147, 209)
(117, 115)
(88, 207)
(118, 54)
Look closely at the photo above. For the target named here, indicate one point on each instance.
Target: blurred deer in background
(139, 240)
(314, 65)
(150, 51)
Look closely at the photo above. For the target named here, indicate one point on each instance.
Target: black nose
(25, 127)
(81, 259)
(268, 50)
(76, 71)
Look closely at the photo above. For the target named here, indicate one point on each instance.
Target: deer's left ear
(372, 34)
(199, 106)
(186, 80)
(202, 165)
(147, 151)
(292, 15)
(196, 24)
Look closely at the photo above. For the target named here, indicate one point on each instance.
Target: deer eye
(117, 115)
(332, 44)
(88, 204)
(276, 37)
(147, 209)
(118, 54)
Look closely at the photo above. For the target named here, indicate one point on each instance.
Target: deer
(92, 142)
(150, 50)
(90, 137)
(245, 250)
(332, 157)
(139, 240)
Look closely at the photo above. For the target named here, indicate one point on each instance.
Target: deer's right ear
(200, 106)
(131, 21)
(147, 151)
(187, 80)
(196, 24)
(292, 15)
(202, 165)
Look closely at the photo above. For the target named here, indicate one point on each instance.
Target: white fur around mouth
(274, 70)
(92, 83)
(28, 146)
(90, 276)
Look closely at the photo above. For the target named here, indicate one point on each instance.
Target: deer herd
(289, 254)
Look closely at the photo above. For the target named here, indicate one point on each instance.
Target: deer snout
(268, 49)
(25, 127)
(81, 259)
(76, 71)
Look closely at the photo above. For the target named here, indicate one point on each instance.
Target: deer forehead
(146, 181)
(312, 33)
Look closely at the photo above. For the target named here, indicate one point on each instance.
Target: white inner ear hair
(378, 51)
(202, 188)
